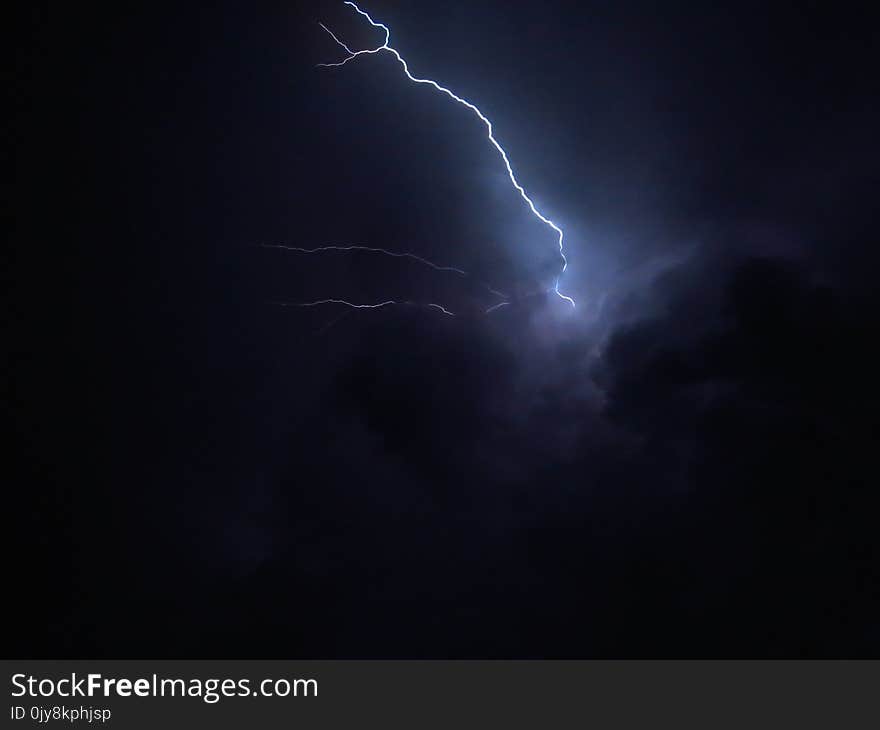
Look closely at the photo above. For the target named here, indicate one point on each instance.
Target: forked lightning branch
(386, 47)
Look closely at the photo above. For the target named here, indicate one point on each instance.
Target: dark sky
(683, 466)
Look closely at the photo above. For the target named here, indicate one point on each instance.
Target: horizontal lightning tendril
(379, 305)
(519, 188)
(369, 249)
(384, 252)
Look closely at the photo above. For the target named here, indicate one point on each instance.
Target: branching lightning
(352, 54)
(489, 129)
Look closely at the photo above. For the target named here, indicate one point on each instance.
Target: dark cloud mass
(684, 466)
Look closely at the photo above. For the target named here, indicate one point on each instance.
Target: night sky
(683, 466)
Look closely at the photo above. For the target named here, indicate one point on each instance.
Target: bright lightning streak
(435, 306)
(519, 188)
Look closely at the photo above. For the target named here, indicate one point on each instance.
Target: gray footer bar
(425, 694)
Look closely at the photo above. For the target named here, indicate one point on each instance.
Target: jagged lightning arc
(464, 102)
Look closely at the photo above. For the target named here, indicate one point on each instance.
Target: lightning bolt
(464, 102)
